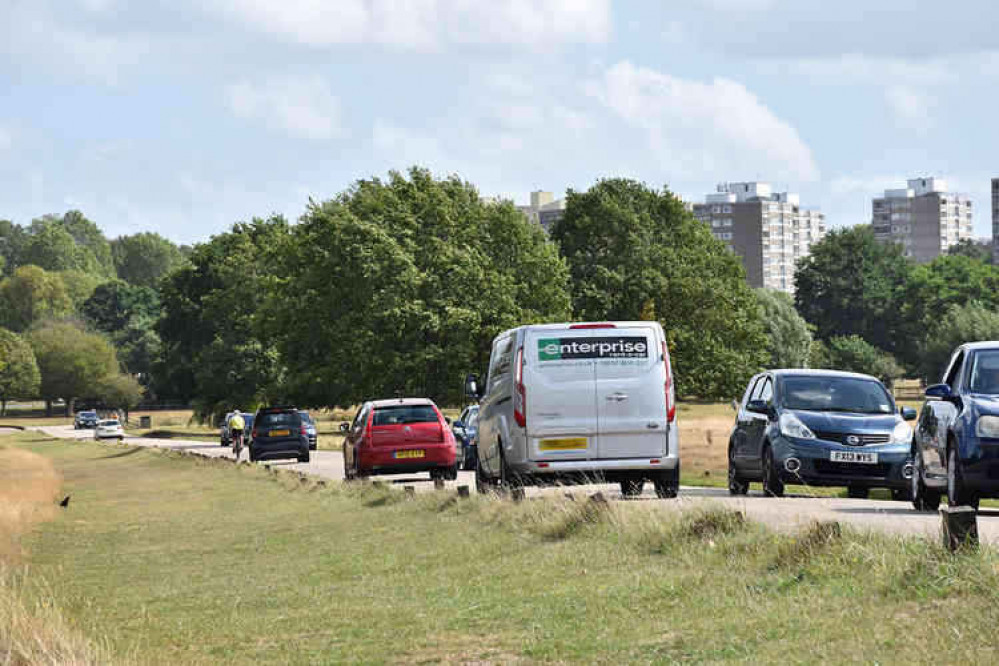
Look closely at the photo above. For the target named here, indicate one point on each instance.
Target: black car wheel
(957, 493)
(667, 483)
(304, 458)
(772, 485)
(923, 499)
(736, 484)
(857, 492)
(632, 487)
(482, 483)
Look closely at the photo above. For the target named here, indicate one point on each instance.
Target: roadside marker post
(438, 484)
(960, 527)
(463, 491)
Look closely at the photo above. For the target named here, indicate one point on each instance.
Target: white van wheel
(667, 483)
(632, 487)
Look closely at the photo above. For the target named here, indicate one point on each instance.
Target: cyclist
(236, 426)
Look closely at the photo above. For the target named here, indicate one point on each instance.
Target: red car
(399, 436)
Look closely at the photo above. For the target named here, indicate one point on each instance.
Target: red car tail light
(520, 394)
(253, 433)
(670, 397)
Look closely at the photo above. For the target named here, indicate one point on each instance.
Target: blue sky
(187, 116)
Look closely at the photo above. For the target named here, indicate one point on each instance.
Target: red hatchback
(399, 436)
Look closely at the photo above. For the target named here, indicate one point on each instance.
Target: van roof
(592, 325)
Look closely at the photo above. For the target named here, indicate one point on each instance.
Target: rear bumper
(383, 460)
(557, 467)
(282, 448)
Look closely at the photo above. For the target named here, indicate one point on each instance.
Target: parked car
(310, 429)
(109, 429)
(956, 447)
(576, 401)
(464, 430)
(399, 436)
(225, 438)
(820, 428)
(85, 420)
(278, 432)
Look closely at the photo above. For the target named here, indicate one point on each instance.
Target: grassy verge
(184, 560)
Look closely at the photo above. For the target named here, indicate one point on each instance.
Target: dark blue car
(956, 447)
(465, 430)
(820, 428)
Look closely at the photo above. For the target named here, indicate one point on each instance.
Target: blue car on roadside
(956, 446)
(820, 428)
(465, 430)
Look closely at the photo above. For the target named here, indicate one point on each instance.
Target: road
(787, 513)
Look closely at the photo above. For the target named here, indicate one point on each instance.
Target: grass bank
(184, 560)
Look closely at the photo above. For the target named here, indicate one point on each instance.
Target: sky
(185, 117)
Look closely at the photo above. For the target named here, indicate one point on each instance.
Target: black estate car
(821, 428)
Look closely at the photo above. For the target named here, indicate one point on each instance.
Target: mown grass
(175, 559)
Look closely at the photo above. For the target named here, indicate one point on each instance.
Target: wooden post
(410, 490)
(517, 494)
(960, 527)
(463, 491)
(438, 484)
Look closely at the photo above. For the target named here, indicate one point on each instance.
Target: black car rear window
(405, 414)
(269, 420)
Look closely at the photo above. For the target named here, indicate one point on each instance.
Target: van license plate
(563, 444)
(412, 453)
(853, 457)
(279, 433)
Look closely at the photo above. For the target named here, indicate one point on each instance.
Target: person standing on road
(236, 426)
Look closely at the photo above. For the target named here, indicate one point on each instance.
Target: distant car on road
(956, 447)
(310, 429)
(820, 428)
(225, 438)
(278, 432)
(85, 420)
(109, 429)
(464, 430)
(399, 436)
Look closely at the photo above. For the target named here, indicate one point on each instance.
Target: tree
(143, 259)
(406, 282)
(30, 295)
(114, 304)
(12, 240)
(627, 245)
(51, 247)
(72, 361)
(118, 391)
(19, 376)
(790, 340)
(959, 324)
(851, 284)
(967, 247)
(79, 285)
(70, 242)
(852, 353)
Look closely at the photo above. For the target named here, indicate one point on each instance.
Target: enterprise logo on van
(565, 349)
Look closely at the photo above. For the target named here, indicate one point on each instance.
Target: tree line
(398, 285)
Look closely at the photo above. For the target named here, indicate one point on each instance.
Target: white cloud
(910, 106)
(301, 106)
(705, 128)
(425, 24)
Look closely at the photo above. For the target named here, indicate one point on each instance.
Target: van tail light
(520, 393)
(670, 395)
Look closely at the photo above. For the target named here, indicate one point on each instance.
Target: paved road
(787, 513)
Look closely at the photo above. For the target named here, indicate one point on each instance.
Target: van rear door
(631, 396)
(560, 392)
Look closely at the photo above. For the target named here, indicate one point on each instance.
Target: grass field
(168, 559)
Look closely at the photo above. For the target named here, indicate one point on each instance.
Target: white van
(578, 401)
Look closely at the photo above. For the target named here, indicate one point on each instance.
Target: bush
(853, 354)
(960, 324)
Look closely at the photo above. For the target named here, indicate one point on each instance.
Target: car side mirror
(759, 407)
(344, 427)
(472, 387)
(908, 413)
(939, 392)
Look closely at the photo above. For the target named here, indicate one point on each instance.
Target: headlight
(902, 434)
(791, 426)
(988, 426)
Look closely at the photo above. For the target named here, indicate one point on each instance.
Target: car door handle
(618, 397)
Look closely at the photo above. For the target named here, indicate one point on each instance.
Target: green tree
(405, 283)
(12, 240)
(627, 245)
(79, 285)
(51, 247)
(790, 340)
(127, 314)
(851, 284)
(19, 377)
(119, 391)
(30, 295)
(973, 250)
(143, 259)
(70, 242)
(852, 353)
(970, 322)
(72, 361)
(213, 351)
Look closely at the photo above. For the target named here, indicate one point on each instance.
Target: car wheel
(304, 458)
(632, 487)
(667, 483)
(772, 485)
(857, 492)
(736, 484)
(508, 478)
(452, 473)
(957, 493)
(901, 494)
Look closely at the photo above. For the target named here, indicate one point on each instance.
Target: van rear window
(405, 414)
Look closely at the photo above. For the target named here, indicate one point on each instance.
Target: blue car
(820, 428)
(956, 447)
(465, 430)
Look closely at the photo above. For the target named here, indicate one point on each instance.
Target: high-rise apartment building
(769, 230)
(924, 217)
(544, 209)
(995, 221)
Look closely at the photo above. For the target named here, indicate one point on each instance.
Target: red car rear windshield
(405, 414)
